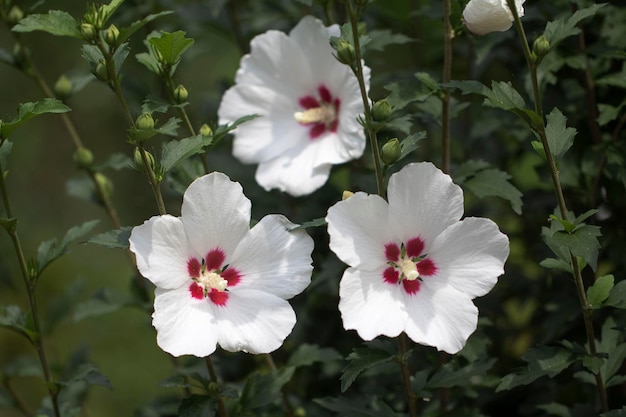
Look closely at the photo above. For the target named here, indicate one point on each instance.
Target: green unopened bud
(83, 158)
(101, 72)
(345, 52)
(145, 121)
(14, 16)
(138, 160)
(381, 110)
(105, 184)
(181, 94)
(20, 55)
(205, 130)
(390, 151)
(299, 412)
(88, 31)
(63, 87)
(541, 46)
(111, 35)
(214, 387)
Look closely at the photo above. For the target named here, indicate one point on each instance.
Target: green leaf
(560, 137)
(103, 302)
(307, 354)
(90, 374)
(8, 224)
(560, 29)
(542, 361)
(27, 111)
(617, 79)
(197, 406)
(583, 242)
(617, 297)
(117, 238)
(107, 10)
(600, 290)
(348, 407)
(56, 22)
(171, 46)
(223, 130)
(176, 151)
(50, 250)
(448, 376)
(116, 161)
(170, 128)
(558, 264)
(493, 182)
(264, 389)
(5, 150)
(92, 55)
(59, 306)
(127, 32)
(362, 359)
(410, 143)
(12, 317)
(311, 223)
(381, 39)
(120, 55)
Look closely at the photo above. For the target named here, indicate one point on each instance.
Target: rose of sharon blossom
(414, 265)
(486, 16)
(308, 104)
(218, 281)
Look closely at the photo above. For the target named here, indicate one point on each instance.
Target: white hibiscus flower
(414, 265)
(308, 104)
(486, 16)
(218, 281)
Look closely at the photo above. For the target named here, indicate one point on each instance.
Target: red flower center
(211, 278)
(321, 112)
(408, 264)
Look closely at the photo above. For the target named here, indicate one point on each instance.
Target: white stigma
(322, 114)
(409, 269)
(213, 280)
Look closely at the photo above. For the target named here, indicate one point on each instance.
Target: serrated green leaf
(264, 389)
(120, 55)
(402, 93)
(27, 111)
(176, 151)
(560, 29)
(542, 361)
(558, 264)
(50, 250)
(468, 169)
(493, 182)
(171, 46)
(560, 137)
(583, 242)
(307, 354)
(127, 32)
(117, 238)
(107, 10)
(600, 290)
(197, 406)
(448, 376)
(617, 296)
(410, 143)
(223, 130)
(149, 62)
(90, 374)
(360, 360)
(56, 22)
(92, 55)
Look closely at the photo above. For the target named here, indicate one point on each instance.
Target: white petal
(185, 326)
(273, 259)
(423, 201)
(254, 321)
(215, 213)
(370, 305)
(293, 172)
(440, 316)
(485, 16)
(162, 251)
(470, 256)
(359, 231)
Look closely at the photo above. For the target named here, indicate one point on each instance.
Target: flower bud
(205, 130)
(104, 183)
(111, 35)
(541, 46)
(181, 94)
(145, 121)
(101, 72)
(345, 52)
(299, 412)
(63, 87)
(391, 151)
(14, 16)
(486, 16)
(83, 158)
(346, 195)
(88, 31)
(381, 110)
(20, 55)
(138, 160)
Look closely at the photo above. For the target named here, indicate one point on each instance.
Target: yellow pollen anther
(323, 114)
(213, 280)
(409, 269)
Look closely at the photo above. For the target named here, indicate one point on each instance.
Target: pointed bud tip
(390, 152)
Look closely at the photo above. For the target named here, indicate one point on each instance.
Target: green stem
(37, 340)
(221, 408)
(357, 68)
(406, 375)
(448, 34)
(288, 407)
(578, 280)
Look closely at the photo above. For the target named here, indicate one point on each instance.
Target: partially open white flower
(415, 266)
(486, 16)
(218, 281)
(308, 104)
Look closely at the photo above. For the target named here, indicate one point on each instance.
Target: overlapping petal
(486, 16)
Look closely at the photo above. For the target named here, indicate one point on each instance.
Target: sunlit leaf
(117, 238)
(55, 22)
(600, 290)
(27, 111)
(176, 151)
(560, 137)
(171, 46)
(560, 29)
(493, 182)
(127, 32)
